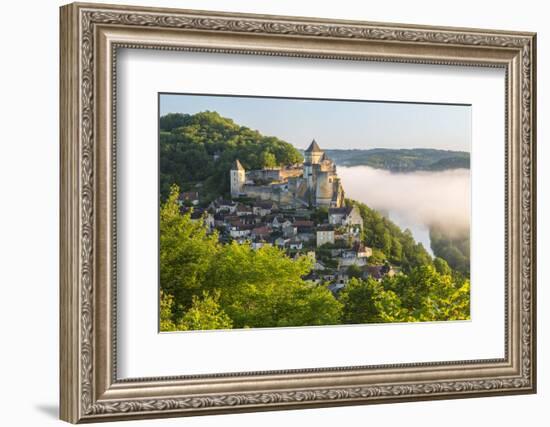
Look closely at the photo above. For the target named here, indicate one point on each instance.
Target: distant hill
(402, 160)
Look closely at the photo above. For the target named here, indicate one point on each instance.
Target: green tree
(377, 257)
(320, 215)
(429, 296)
(441, 266)
(207, 285)
(186, 252)
(453, 246)
(264, 288)
(268, 159)
(396, 253)
(201, 148)
(166, 306)
(366, 301)
(354, 271)
(205, 313)
(423, 295)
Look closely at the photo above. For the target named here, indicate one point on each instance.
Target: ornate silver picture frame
(91, 35)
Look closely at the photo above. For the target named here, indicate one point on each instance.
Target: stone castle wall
(315, 182)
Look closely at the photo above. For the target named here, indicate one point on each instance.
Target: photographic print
(291, 212)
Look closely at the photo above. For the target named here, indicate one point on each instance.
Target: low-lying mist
(439, 198)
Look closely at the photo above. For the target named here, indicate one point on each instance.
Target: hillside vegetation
(454, 247)
(200, 148)
(391, 244)
(208, 285)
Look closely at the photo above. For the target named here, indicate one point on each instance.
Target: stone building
(324, 186)
(315, 183)
(325, 234)
(347, 216)
(237, 179)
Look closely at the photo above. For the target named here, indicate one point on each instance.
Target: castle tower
(237, 177)
(313, 154)
(324, 189)
(312, 157)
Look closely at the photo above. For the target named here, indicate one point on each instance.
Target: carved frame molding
(90, 36)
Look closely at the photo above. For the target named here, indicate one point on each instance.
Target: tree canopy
(454, 247)
(208, 285)
(423, 295)
(201, 147)
(389, 242)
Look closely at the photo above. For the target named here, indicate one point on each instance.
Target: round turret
(237, 176)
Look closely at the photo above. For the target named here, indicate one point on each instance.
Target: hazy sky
(338, 124)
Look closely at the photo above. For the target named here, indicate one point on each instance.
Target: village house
(313, 276)
(209, 221)
(346, 216)
(263, 208)
(295, 244)
(304, 226)
(325, 234)
(221, 205)
(261, 232)
(189, 197)
(240, 231)
(352, 234)
(199, 214)
(289, 230)
(259, 243)
(328, 276)
(243, 209)
(306, 237)
(231, 220)
(342, 276)
(319, 266)
(281, 242)
(350, 258)
(278, 221)
(362, 250)
(249, 219)
(219, 220)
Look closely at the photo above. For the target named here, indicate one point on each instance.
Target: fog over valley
(414, 200)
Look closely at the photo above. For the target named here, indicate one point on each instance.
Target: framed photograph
(267, 212)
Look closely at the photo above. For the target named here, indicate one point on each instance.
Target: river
(413, 200)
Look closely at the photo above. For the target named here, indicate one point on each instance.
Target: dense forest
(453, 246)
(402, 160)
(199, 149)
(209, 285)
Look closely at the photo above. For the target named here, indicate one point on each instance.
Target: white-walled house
(325, 234)
(347, 216)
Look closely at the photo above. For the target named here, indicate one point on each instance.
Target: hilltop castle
(315, 183)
